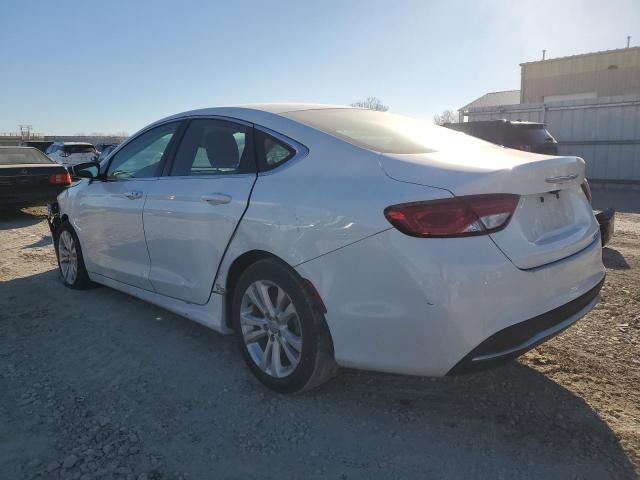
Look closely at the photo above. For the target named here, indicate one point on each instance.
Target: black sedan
(29, 177)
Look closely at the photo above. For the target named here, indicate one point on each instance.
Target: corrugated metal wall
(603, 131)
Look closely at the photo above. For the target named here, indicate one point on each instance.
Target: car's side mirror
(86, 170)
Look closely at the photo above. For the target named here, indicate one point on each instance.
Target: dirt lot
(96, 384)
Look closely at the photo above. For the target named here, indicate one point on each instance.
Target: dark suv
(531, 137)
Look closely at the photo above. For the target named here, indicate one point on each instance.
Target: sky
(71, 67)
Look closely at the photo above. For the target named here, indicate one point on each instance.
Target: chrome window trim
(206, 177)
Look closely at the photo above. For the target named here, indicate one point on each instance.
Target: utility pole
(628, 40)
(25, 131)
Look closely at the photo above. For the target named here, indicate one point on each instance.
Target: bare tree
(372, 103)
(448, 116)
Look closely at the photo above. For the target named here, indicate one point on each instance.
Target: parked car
(28, 177)
(71, 153)
(41, 145)
(327, 236)
(530, 137)
(106, 150)
(100, 147)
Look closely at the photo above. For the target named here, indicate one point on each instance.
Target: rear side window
(271, 152)
(18, 155)
(70, 149)
(214, 147)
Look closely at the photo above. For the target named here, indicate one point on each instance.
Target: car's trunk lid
(553, 218)
(27, 176)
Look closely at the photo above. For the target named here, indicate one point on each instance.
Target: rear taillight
(454, 217)
(526, 148)
(586, 188)
(60, 179)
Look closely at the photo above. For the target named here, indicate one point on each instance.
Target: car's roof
(252, 112)
(75, 143)
(287, 107)
(274, 108)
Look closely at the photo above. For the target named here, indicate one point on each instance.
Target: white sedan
(329, 236)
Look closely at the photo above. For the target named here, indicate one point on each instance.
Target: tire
(301, 354)
(70, 260)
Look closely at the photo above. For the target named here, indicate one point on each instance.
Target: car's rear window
(18, 155)
(380, 131)
(79, 149)
(534, 135)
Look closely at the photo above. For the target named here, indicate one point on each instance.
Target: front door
(109, 220)
(191, 214)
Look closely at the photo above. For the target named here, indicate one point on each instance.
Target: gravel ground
(97, 384)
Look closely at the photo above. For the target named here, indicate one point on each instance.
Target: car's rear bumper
(40, 196)
(607, 221)
(513, 341)
(419, 306)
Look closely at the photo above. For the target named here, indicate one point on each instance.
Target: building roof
(492, 99)
(617, 50)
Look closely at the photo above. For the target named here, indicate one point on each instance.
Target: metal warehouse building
(591, 75)
(589, 102)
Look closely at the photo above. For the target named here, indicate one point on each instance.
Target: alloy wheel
(68, 257)
(271, 328)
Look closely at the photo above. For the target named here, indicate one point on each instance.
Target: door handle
(133, 195)
(216, 198)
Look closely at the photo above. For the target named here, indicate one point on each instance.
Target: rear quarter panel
(333, 197)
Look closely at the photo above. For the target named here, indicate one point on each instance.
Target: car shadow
(185, 392)
(613, 259)
(43, 242)
(12, 218)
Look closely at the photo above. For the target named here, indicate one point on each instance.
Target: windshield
(379, 131)
(22, 155)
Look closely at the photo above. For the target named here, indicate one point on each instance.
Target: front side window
(214, 147)
(142, 157)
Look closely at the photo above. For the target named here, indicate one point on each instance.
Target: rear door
(109, 211)
(191, 213)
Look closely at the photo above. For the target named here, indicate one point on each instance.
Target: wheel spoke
(254, 335)
(288, 314)
(276, 362)
(263, 290)
(252, 320)
(266, 356)
(293, 340)
(254, 296)
(291, 354)
(281, 300)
